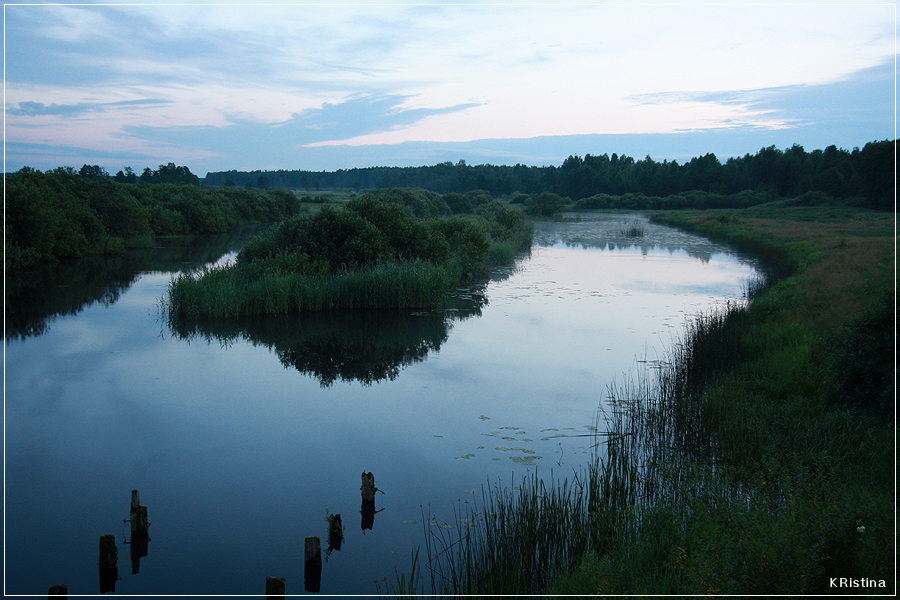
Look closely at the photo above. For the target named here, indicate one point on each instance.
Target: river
(243, 437)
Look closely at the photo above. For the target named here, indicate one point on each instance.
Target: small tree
(93, 172)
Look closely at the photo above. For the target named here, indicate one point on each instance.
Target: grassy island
(394, 248)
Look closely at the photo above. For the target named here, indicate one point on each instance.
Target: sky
(319, 87)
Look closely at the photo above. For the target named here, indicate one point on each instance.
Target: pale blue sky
(325, 87)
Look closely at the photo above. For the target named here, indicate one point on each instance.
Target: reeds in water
(223, 292)
(633, 230)
(629, 503)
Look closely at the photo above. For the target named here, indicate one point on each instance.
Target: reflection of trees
(365, 346)
(35, 299)
(37, 296)
(612, 232)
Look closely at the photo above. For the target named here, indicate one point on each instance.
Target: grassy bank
(757, 458)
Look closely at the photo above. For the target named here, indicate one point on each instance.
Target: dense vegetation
(396, 248)
(62, 214)
(757, 458)
(866, 175)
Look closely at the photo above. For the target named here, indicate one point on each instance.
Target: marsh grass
(227, 292)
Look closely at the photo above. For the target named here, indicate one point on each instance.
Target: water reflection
(35, 298)
(626, 231)
(108, 563)
(140, 536)
(365, 346)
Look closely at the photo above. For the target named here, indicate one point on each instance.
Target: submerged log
(312, 559)
(275, 587)
(335, 533)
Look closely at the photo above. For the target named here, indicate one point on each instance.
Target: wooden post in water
(109, 567)
(139, 532)
(312, 559)
(367, 510)
(335, 533)
(139, 522)
(275, 587)
(368, 488)
(57, 590)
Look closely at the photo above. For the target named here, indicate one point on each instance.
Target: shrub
(545, 204)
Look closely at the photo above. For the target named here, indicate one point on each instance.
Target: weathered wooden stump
(109, 563)
(59, 589)
(368, 488)
(312, 559)
(275, 587)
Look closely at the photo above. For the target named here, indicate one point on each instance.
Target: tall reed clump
(226, 292)
(371, 254)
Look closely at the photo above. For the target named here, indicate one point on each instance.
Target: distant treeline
(62, 214)
(866, 175)
(169, 173)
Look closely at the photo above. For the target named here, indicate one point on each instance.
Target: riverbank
(757, 458)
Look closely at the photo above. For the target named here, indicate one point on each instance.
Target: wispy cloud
(34, 109)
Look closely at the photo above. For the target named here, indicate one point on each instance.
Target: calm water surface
(242, 437)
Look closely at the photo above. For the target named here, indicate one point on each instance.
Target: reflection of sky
(232, 451)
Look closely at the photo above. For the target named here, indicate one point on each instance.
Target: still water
(242, 437)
